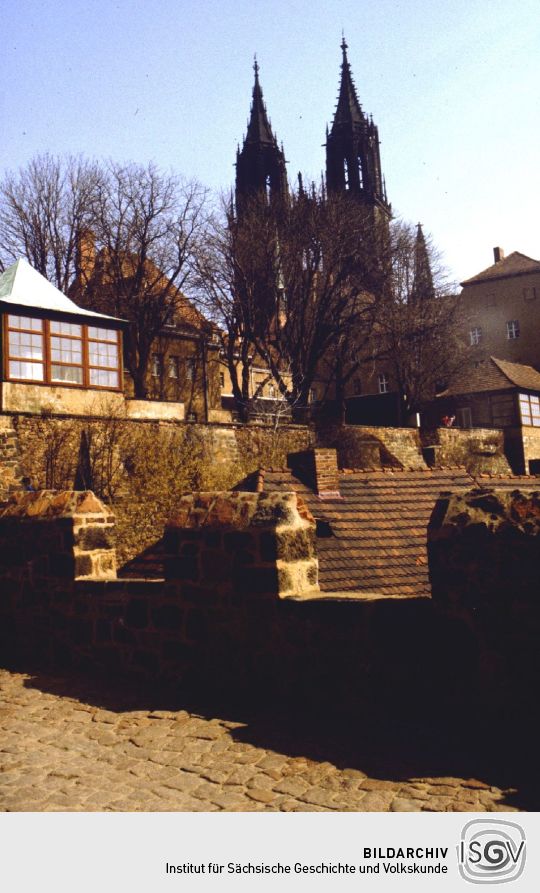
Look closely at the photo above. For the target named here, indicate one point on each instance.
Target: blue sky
(453, 86)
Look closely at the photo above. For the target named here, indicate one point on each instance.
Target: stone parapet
(66, 534)
(234, 544)
(484, 548)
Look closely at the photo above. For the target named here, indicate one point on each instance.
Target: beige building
(502, 308)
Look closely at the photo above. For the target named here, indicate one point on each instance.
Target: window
(312, 395)
(529, 407)
(512, 329)
(222, 379)
(464, 417)
(173, 367)
(66, 352)
(272, 391)
(157, 365)
(190, 369)
(26, 348)
(475, 335)
(529, 293)
(58, 352)
(383, 383)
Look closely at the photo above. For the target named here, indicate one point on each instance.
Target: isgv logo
(491, 851)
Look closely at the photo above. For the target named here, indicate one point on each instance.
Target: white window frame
(512, 329)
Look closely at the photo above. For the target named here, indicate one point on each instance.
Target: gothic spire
(348, 109)
(422, 288)
(260, 164)
(259, 129)
(353, 162)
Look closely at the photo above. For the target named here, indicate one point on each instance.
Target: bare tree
(292, 283)
(120, 239)
(418, 324)
(139, 256)
(42, 209)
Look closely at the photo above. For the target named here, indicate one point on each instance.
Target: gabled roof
(516, 264)
(23, 286)
(372, 541)
(494, 375)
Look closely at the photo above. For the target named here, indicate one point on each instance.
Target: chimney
(498, 254)
(85, 256)
(318, 469)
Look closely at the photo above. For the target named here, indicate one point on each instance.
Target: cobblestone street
(59, 751)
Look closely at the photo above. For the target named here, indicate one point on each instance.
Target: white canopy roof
(24, 286)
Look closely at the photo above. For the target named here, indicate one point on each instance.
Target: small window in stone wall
(475, 335)
(529, 407)
(384, 382)
(512, 329)
(529, 293)
(157, 365)
(174, 367)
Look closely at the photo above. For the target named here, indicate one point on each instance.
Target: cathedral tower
(353, 161)
(260, 164)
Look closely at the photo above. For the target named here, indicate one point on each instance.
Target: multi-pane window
(384, 382)
(66, 353)
(66, 348)
(529, 406)
(103, 357)
(26, 348)
(512, 329)
(475, 335)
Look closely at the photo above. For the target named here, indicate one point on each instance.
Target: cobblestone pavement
(60, 749)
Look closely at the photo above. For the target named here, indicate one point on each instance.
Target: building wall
(491, 304)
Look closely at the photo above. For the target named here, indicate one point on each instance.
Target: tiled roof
(520, 375)
(514, 265)
(373, 539)
(493, 374)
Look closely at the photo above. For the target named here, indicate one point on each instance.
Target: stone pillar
(58, 534)
(231, 546)
(484, 548)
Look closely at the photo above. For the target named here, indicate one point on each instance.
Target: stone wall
(363, 446)
(239, 608)
(10, 460)
(57, 534)
(479, 450)
(484, 565)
